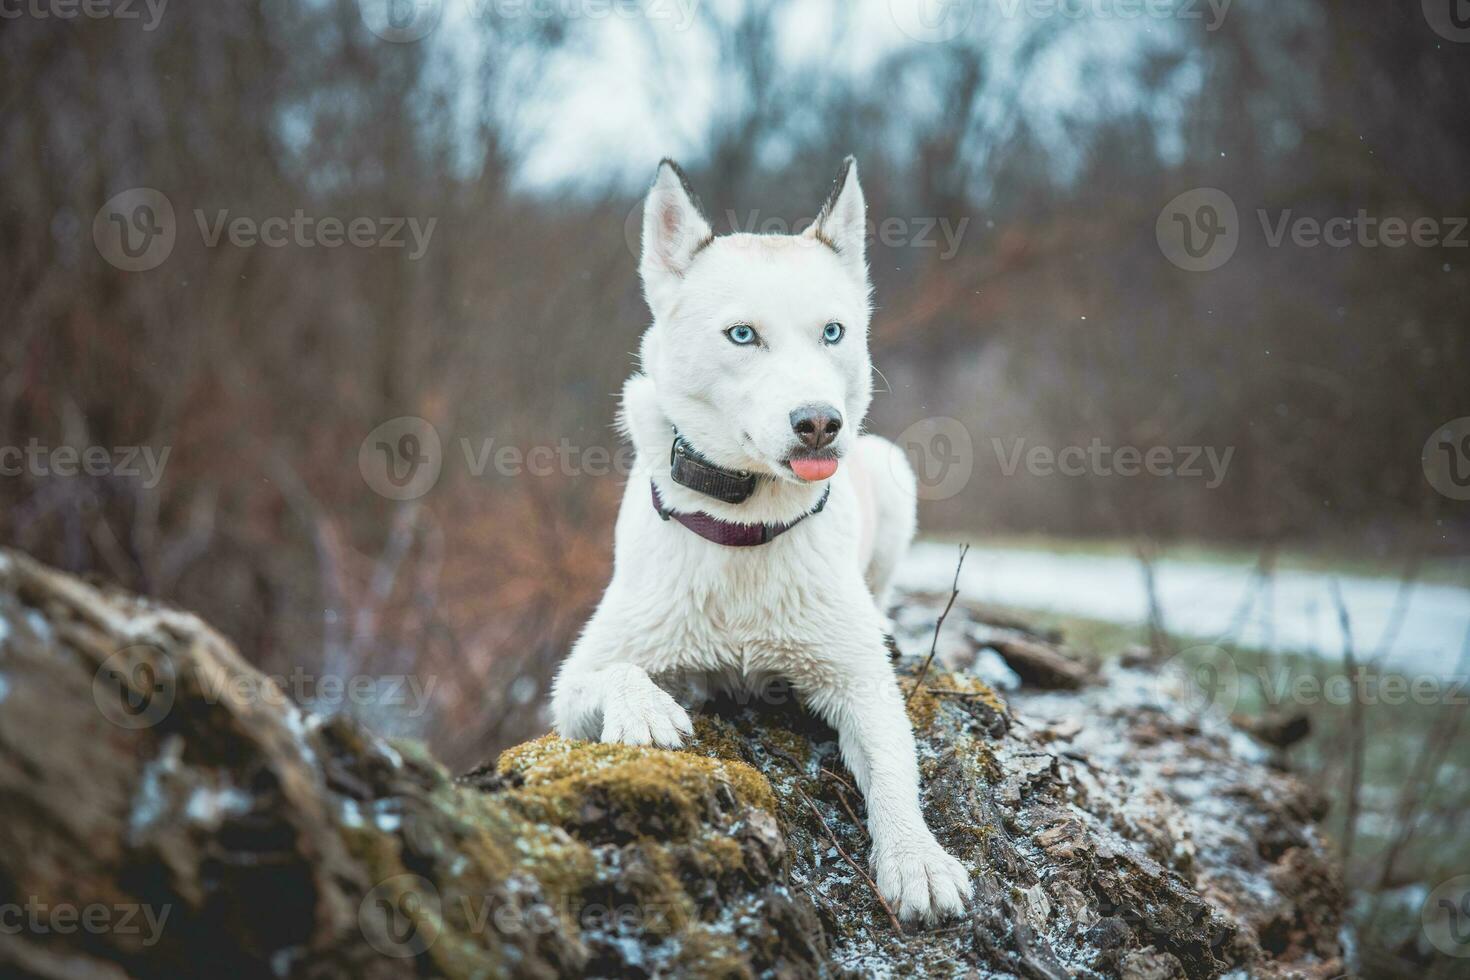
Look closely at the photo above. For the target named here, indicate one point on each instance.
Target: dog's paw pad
(649, 717)
(922, 881)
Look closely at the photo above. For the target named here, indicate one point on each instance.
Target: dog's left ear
(674, 231)
(843, 223)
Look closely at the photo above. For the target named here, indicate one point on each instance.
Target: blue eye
(742, 334)
(832, 332)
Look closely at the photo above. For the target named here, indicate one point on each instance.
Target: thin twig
(842, 798)
(1158, 636)
(828, 772)
(1355, 729)
(855, 866)
(954, 593)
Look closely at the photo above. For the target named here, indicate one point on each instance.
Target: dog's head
(759, 343)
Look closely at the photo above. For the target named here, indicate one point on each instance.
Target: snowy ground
(1204, 598)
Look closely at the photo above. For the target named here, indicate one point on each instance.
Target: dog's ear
(842, 224)
(674, 230)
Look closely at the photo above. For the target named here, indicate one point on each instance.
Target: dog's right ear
(674, 231)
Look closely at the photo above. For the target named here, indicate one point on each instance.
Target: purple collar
(728, 533)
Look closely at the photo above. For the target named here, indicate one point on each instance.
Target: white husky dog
(764, 547)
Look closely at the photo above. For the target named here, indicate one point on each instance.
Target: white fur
(682, 612)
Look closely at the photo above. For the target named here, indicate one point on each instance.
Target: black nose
(816, 425)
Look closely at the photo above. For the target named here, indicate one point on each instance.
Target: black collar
(689, 469)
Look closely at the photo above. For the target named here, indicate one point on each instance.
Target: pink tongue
(814, 469)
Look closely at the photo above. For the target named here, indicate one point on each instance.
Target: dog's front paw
(921, 880)
(645, 717)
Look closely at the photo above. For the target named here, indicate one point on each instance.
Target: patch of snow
(991, 668)
(1201, 599)
(210, 805)
(38, 625)
(150, 801)
(386, 816)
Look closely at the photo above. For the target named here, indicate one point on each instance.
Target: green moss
(717, 739)
(921, 705)
(560, 775)
(787, 746)
(941, 687)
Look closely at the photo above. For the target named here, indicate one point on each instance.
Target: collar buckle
(689, 469)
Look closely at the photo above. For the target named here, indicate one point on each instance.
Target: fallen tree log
(168, 812)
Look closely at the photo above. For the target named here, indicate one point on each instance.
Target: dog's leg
(617, 703)
(863, 702)
(893, 490)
